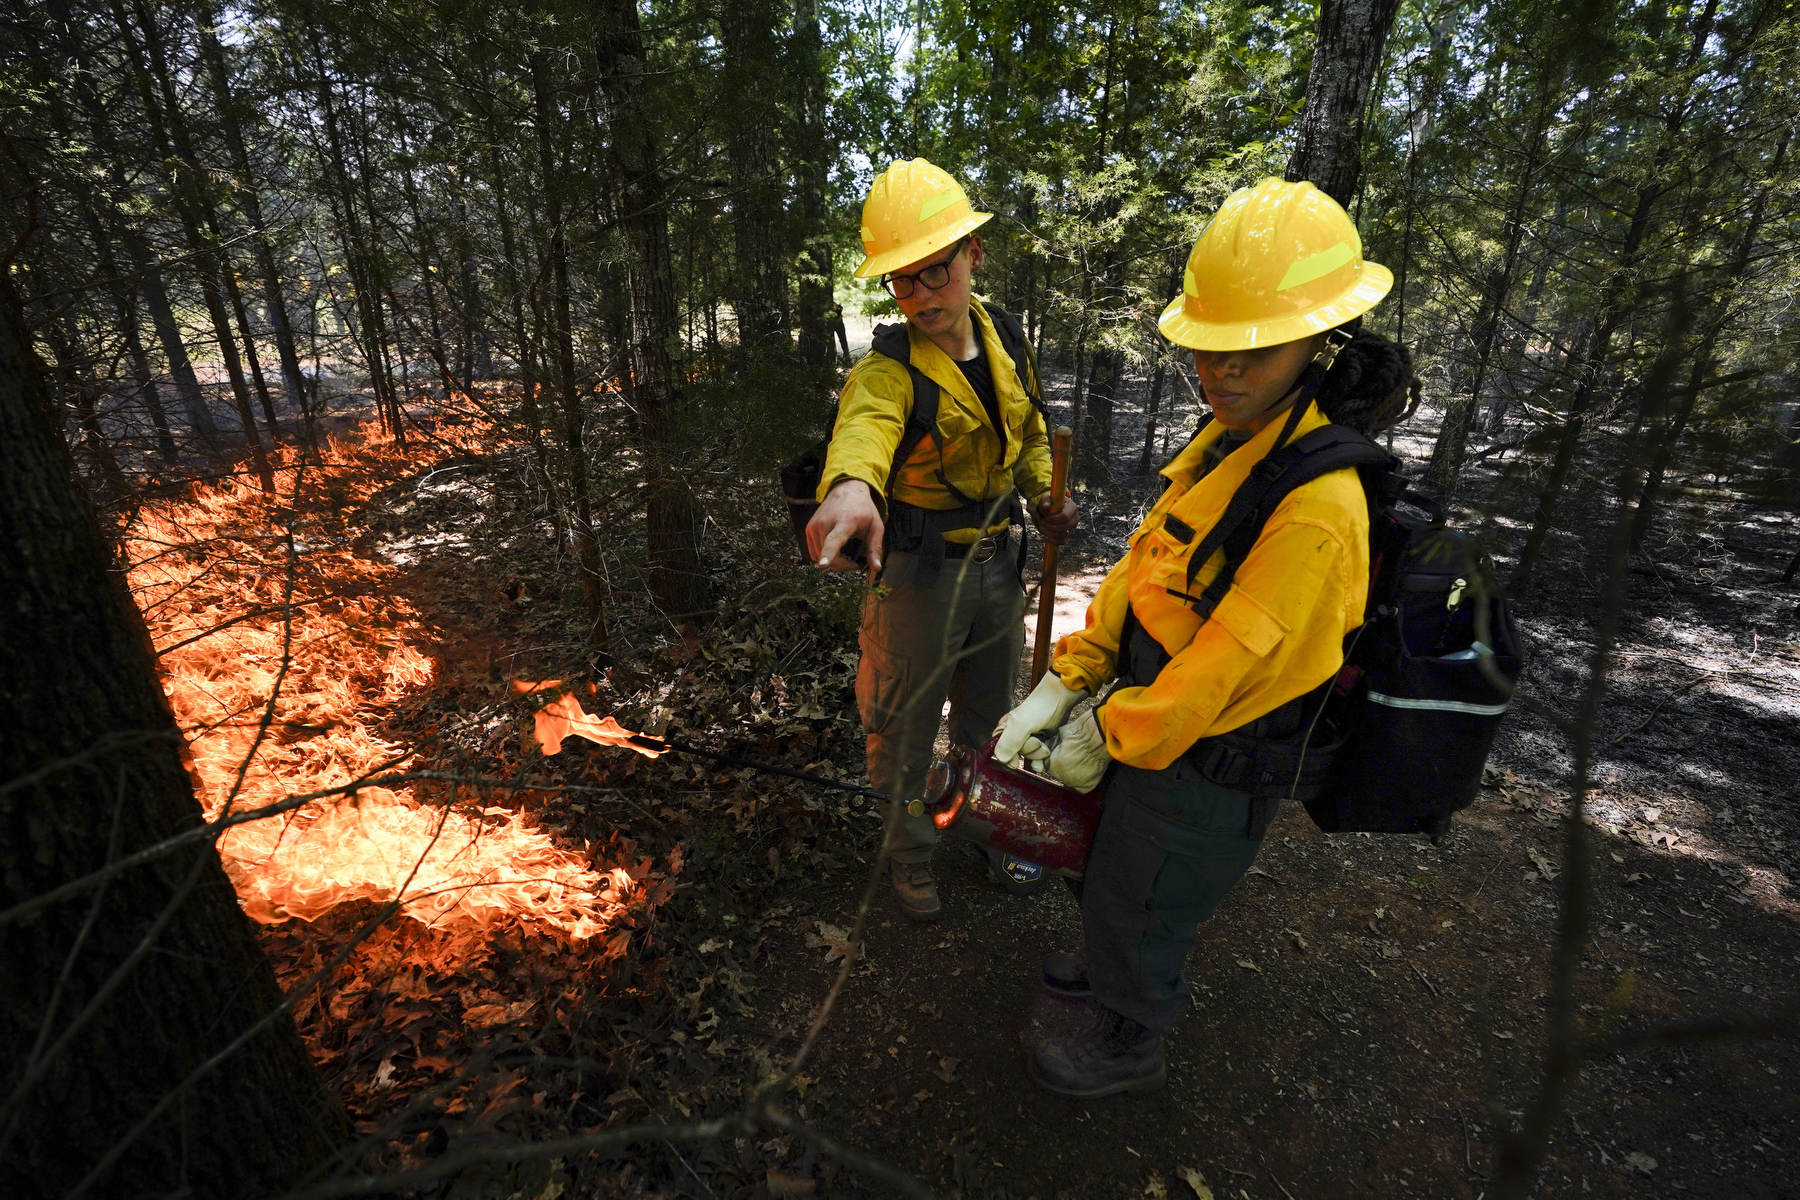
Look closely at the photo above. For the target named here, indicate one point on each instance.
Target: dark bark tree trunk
(754, 85)
(1618, 299)
(125, 305)
(1444, 472)
(78, 380)
(137, 250)
(150, 72)
(250, 202)
(587, 549)
(1328, 150)
(677, 576)
(817, 314)
(147, 1052)
(360, 259)
(1666, 428)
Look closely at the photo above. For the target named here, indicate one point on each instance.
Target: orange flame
(280, 657)
(564, 717)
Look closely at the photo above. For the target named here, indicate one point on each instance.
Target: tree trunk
(1328, 149)
(77, 379)
(753, 84)
(587, 549)
(250, 201)
(818, 314)
(1617, 302)
(147, 1052)
(677, 577)
(370, 332)
(1444, 472)
(136, 248)
(125, 304)
(1666, 429)
(150, 72)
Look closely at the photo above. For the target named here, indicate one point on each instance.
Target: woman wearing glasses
(946, 622)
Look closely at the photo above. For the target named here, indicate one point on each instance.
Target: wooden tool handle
(1060, 442)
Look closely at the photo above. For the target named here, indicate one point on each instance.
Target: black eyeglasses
(900, 287)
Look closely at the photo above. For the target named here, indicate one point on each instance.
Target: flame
(281, 646)
(564, 717)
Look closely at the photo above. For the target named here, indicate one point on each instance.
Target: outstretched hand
(847, 513)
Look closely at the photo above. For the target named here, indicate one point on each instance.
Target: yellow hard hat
(913, 208)
(1278, 262)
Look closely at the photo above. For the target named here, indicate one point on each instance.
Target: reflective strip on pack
(1455, 706)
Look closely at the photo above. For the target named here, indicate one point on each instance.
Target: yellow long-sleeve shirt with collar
(981, 462)
(1276, 634)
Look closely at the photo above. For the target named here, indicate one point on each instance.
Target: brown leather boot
(915, 889)
(1112, 1054)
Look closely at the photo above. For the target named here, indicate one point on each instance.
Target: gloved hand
(1080, 756)
(1049, 702)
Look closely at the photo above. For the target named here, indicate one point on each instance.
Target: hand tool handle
(1060, 441)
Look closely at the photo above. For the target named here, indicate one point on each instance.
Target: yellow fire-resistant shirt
(1276, 634)
(978, 460)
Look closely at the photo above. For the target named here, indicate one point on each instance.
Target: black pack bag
(1396, 743)
(1411, 717)
(800, 478)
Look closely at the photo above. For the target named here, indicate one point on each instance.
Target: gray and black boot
(1112, 1054)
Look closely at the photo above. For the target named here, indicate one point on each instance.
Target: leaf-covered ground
(1367, 1014)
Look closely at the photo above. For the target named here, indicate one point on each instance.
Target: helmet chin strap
(1307, 385)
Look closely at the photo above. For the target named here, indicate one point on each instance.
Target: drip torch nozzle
(936, 794)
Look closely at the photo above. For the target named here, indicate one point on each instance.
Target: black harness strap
(921, 530)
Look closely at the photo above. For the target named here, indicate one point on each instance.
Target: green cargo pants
(1169, 846)
(958, 640)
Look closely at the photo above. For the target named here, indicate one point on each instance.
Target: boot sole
(1148, 1083)
(1065, 992)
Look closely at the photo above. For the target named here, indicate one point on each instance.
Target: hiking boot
(915, 889)
(1065, 974)
(1111, 1054)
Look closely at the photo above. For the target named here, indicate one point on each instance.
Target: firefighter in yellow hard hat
(931, 496)
(1270, 305)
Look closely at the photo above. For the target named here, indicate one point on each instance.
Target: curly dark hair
(1371, 386)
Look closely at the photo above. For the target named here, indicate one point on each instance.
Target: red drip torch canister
(973, 796)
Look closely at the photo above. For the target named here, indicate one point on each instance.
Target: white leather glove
(1080, 756)
(1049, 702)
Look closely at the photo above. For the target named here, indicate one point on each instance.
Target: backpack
(1396, 742)
(800, 478)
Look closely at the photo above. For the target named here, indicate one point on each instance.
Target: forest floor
(1368, 1014)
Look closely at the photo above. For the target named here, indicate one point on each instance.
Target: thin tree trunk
(136, 248)
(150, 72)
(587, 549)
(77, 379)
(817, 312)
(677, 577)
(752, 67)
(125, 301)
(250, 201)
(1617, 300)
(1443, 474)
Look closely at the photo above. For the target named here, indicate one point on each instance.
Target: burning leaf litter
(279, 645)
